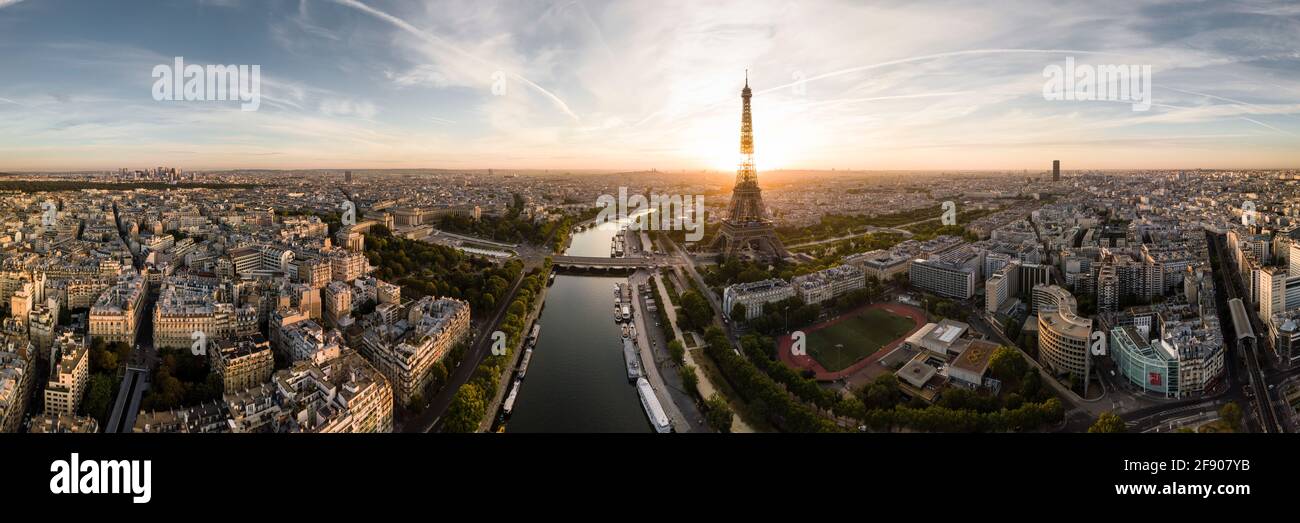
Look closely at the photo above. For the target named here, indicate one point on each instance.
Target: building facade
(754, 295)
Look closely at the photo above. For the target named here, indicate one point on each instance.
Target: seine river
(577, 381)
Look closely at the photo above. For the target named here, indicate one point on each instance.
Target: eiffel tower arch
(746, 231)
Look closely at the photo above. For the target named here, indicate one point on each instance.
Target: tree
(677, 351)
(738, 312)
(1107, 422)
(1011, 328)
(690, 381)
(466, 410)
(1231, 413)
(718, 413)
(438, 374)
(98, 397)
(699, 314)
(1006, 364)
(881, 393)
(1031, 385)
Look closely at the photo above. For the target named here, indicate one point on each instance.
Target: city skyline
(892, 87)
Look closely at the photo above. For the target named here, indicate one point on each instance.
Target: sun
(717, 147)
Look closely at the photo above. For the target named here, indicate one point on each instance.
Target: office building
(945, 279)
(1063, 335)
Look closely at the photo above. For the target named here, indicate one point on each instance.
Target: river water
(577, 380)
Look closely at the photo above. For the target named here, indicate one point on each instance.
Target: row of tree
(105, 358)
(181, 379)
(765, 397)
(470, 403)
(938, 418)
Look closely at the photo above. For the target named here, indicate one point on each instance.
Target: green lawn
(840, 345)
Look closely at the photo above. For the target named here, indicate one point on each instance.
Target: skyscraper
(745, 230)
(1056, 170)
(347, 176)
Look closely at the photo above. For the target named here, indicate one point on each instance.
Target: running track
(807, 362)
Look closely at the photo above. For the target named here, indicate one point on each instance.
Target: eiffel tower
(746, 232)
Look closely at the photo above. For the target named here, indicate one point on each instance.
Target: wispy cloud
(623, 84)
(439, 42)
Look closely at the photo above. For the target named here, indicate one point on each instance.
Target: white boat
(510, 399)
(523, 366)
(653, 409)
(534, 334)
(631, 359)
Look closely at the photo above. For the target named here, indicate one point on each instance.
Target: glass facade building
(1152, 368)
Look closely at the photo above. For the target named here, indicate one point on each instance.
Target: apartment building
(68, 377)
(243, 363)
(755, 295)
(828, 284)
(406, 351)
(115, 316)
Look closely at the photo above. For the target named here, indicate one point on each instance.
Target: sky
(631, 85)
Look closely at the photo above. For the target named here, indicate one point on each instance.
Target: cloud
(839, 84)
(441, 43)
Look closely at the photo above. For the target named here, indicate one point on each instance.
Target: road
(629, 261)
(659, 367)
(650, 341)
(138, 369)
(427, 419)
(1260, 400)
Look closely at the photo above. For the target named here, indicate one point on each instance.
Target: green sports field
(840, 345)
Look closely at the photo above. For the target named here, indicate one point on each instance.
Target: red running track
(821, 374)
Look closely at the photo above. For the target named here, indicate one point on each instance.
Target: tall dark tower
(746, 231)
(1056, 170)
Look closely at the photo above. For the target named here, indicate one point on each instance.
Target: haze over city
(637, 85)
